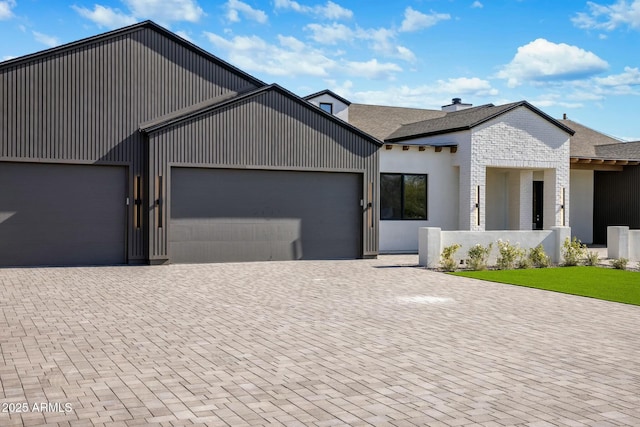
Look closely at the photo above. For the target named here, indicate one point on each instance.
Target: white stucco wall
(582, 204)
(442, 195)
(340, 109)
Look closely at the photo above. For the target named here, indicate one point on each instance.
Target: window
(403, 196)
(327, 106)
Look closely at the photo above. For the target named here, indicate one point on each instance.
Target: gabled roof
(381, 121)
(212, 104)
(330, 93)
(466, 119)
(588, 146)
(130, 29)
(585, 139)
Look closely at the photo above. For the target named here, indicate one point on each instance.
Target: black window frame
(402, 197)
(325, 104)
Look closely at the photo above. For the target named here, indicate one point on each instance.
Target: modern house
(505, 167)
(136, 146)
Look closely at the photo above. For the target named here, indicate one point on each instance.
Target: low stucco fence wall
(623, 243)
(431, 241)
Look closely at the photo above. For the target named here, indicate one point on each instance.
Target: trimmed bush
(592, 258)
(508, 255)
(620, 263)
(446, 258)
(573, 252)
(538, 257)
(478, 256)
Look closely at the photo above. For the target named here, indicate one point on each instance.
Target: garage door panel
(61, 214)
(248, 215)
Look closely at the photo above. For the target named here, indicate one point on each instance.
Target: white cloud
(415, 20)
(235, 8)
(161, 11)
(609, 17)
(554, 100)
(166, 10)
(630, 77)
(333, 11)
(373, 69)
(105, 16)
(50, 41)
(542, 60)
(330, 10)
(290, 58)
(477, 5)
(383, 41)
(330, 34)
(5, 9)
(429, 95)
(7, 57)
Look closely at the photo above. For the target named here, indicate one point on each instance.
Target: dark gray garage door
(220, 215)
(61, 214)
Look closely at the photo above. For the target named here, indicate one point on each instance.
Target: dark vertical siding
(84, 104)
(269, 130)
(616, 201)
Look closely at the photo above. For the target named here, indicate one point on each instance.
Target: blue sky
(581, 58)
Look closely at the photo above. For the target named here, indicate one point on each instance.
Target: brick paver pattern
(319, 343)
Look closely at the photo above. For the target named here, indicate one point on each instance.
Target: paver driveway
(309, 343)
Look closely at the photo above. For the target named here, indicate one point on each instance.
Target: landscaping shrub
(508, 255)
(620, 263)
(478, 256)
(446, 258)
(524, 262)
(592, 258)
(538, 257)
(573, 251)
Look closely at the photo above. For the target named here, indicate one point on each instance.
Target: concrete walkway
(365, 342)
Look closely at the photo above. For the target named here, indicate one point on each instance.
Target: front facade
(474, 168)
(137, 146)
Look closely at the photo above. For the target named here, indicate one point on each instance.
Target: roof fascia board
(330, 93)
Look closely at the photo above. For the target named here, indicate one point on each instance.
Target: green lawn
(595, 282)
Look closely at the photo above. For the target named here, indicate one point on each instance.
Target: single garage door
(220, 215)
(61, 214)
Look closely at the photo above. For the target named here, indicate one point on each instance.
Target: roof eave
(426, 134)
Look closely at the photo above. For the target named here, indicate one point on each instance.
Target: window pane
(327, 106)
(390, 196)
(415, 197)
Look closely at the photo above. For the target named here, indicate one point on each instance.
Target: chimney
(456, 105)
(564, 116)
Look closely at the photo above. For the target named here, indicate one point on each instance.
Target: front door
(538, 197)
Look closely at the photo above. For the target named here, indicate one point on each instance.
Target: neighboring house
(605, 183)
(479, 168)
(138, 146)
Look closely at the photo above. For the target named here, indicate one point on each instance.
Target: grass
(595, 282)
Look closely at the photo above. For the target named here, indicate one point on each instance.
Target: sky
(574, 57)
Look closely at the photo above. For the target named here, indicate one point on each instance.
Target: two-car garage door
(220, 215)
(53, 214)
